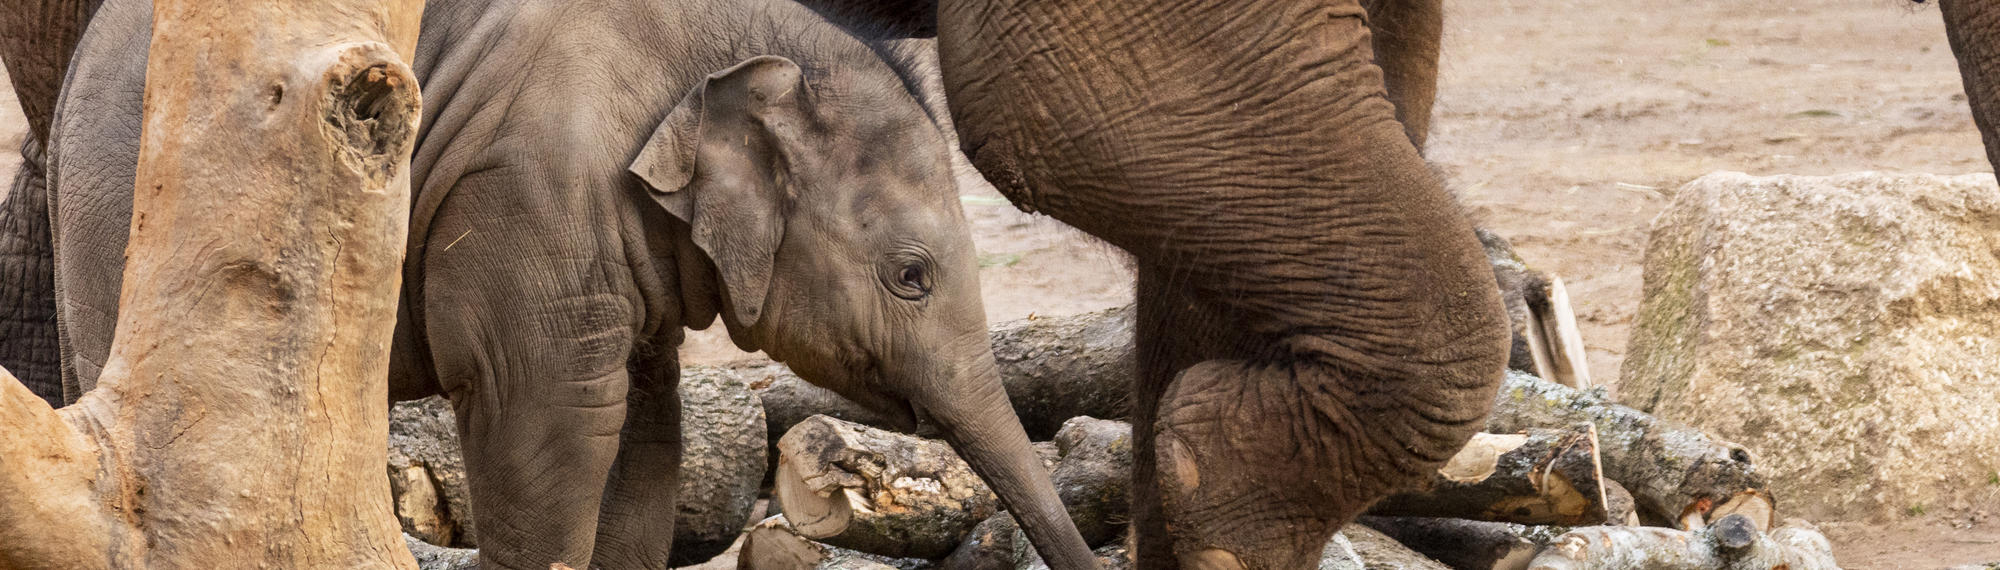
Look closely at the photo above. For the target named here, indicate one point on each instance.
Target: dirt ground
(1567, 125)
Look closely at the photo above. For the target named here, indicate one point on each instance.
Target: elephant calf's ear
(717, 163)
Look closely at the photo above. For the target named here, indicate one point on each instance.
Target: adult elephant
(1974, 29)
(1317, 325)
(36, 39)
(590, 178)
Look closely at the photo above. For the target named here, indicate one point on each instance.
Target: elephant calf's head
(826, 203)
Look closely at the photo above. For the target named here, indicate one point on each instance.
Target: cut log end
(813, 512)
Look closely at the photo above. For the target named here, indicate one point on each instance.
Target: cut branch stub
(870, 490)
(1541, 476)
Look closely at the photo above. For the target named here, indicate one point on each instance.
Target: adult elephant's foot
(1259, 464)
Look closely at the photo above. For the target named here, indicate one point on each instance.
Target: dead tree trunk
(241, 418)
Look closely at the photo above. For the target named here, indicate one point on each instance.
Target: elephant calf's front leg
(1259, 464)
(536, 459)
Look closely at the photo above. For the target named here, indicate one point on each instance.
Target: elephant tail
(28, 344)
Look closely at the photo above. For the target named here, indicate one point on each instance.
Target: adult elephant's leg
(1407, 36)
(1165, 347)
(36, 40)
(1348, 332)
(635, 526)
(1974, 28)
(28, 345)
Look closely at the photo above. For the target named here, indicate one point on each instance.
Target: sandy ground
(1567, 125)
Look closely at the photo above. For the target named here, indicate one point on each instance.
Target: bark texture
(1094, 476)
(1464, 544)
(1542, 476)
(241, 418)
(1379, 552)
(1669, 468)
(1733, 543)
(722, 465)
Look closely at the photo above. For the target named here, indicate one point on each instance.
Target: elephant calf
(587, 184)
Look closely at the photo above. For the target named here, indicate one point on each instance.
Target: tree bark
(1464, 544)
(1094, 476)
(1542, 476)
(1379, 552)
(1668, 468)
(241, 420)
(1732, 543)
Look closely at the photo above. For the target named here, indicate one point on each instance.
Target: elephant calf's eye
(912, 283)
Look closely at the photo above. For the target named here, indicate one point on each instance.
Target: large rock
(1845, 328)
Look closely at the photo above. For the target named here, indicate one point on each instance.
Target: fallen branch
(1732, 542)
(1094, 476)
(1542, 476)
(1668, 468)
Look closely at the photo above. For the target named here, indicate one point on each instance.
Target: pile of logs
(1564, 479)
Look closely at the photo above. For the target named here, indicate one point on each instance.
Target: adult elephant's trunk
(971, 408)
(1974, 28)
(28, 345)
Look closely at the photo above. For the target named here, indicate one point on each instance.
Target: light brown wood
(879, 492)
(241, 417)
(1541, 476)
(1553, 336)
(774, 545)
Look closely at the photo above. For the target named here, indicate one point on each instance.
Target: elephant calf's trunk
(980, 423)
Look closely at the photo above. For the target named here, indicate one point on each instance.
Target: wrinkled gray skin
(1317, 326)
(36, 39)
(584, 190)
(1974, 29)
